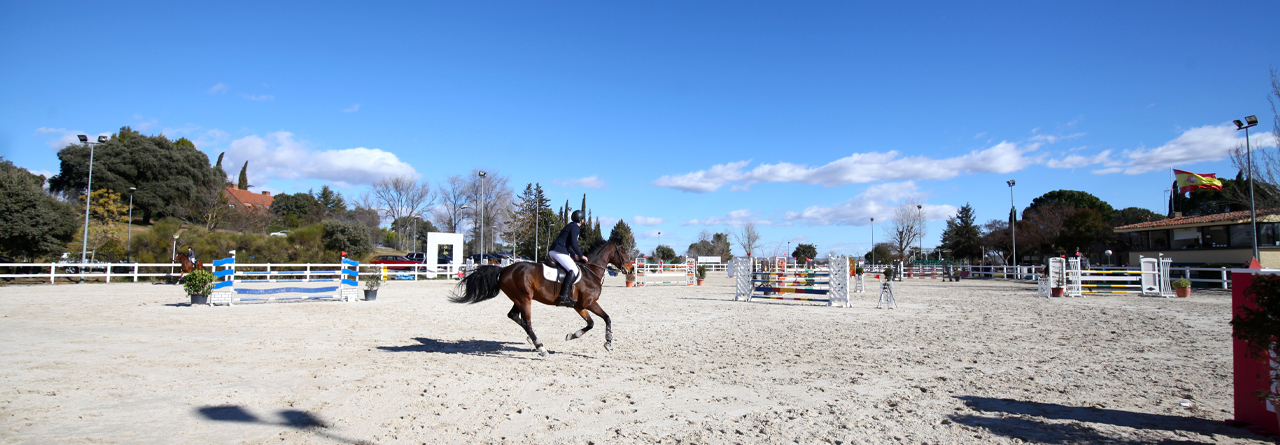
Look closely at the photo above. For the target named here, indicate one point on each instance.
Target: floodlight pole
(873, 241)
(88, 197)
(1013, 222)
(1253, 210)
(129, 246)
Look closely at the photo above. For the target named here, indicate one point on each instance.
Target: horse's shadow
(469, 347)
(1025, 422)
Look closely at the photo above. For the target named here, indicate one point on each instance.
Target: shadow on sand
(1035, 430)
(472, 347)
(301, 420)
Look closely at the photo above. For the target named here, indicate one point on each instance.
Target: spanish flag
(1188, 181)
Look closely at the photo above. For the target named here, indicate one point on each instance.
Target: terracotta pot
(700, 282)
(1057, 291)
(1182, 292)
(631, 283)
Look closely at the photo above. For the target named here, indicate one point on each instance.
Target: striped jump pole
(833, 282)
(225, 291)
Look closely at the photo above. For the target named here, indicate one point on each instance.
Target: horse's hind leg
(521, 315)
(608, 325)
(585, 316)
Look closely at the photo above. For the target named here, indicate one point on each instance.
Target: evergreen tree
(331, 201)
(621, 234)
(962, 235)
(244, 176)
(1074, 199)
(805, 252)
(32, 223)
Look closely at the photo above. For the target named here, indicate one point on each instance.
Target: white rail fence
(131, 272)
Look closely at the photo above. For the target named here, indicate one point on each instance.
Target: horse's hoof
(568, 337)
(608, 346)
(542, 351)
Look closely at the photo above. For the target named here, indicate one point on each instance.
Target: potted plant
(371, 285)
(198, 285)
(1259, 326)
(631, 278)
(1182, 287)
(702, 274)
(888, 273)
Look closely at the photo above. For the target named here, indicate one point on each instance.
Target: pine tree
(962, 235)
(621, 234)
(244, 176)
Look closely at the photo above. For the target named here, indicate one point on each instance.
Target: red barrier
(1251, 375)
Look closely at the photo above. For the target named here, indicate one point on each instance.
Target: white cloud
(143, 125)
(857, 168)
(264, 97)
(47, 174)
(354, 108)
(1078, 161)
(736, 218)
(219, 88)
(647, 221)
(279, 156)
(877, 201)
(591, 182)
(606, 223)
(1051, 138)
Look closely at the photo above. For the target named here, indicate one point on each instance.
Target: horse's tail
(481, 285)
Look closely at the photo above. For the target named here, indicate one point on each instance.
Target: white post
(1224, 278)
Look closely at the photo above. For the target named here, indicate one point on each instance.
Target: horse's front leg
(521, 314)
(608, 324)
(585, 316)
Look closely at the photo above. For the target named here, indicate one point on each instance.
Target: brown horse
(523, 283)
(187, 267)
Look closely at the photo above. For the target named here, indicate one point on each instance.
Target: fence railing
(131, 272)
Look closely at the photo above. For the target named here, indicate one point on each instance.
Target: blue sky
(806, 119)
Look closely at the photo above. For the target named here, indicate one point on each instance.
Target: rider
(191, 255)
(565, 250)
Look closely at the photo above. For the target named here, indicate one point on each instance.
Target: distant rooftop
(1240, 217)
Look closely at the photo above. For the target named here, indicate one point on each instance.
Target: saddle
(553, 271)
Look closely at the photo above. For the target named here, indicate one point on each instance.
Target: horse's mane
(595, 251)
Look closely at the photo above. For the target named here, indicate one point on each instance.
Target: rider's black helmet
(576, 216)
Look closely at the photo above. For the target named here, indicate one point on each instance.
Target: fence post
(52, 268)
(1224, 278)
(135, 272)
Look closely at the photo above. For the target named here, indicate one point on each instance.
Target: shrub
(1181, 283)
(702, 272)
(199, 282)
(347, 237)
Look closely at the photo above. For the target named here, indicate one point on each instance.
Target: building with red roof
(245, 200)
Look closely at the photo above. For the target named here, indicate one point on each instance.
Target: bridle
(618, 250)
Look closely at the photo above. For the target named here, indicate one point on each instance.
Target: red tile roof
(244, 199)
(1234, 217)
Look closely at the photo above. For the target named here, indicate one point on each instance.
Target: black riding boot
(566, 289)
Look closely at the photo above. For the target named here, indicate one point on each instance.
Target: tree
(244, 177)
(665, 253)
(748, 238)
(906, 227)
(1266, 160)
(491, 198)
(995, 241)
(415, 229)
(399, 197)
(1085, 230)
(533, 224)
(352, 238)
(32, 223)
(962, 236)
(1072, 199)
(621, 234)
(883, 252)
(330, 202)
(297, 210)
(452, 196)
(167, 175)
(711, 245)
(805, 252)
(1041, 227)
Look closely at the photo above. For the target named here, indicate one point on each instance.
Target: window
(1159, 239)
(1240, 235)
(1215, 236)
(1267, 235)
(1186, 238)
(1140, 240)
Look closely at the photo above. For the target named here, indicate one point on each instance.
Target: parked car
(444, 259)
(420, 257)
(123, 269)
(489, 258)
(401, 262)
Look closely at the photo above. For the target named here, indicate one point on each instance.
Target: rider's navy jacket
(567, 241)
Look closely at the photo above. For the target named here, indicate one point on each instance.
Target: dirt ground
(981, 361)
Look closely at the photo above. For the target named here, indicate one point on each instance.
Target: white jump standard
(227, 292)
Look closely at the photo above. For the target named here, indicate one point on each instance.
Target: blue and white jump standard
(230, 291)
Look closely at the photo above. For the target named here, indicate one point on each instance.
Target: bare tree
(748, 238)
(401, 196)
(449, 214)
(906, 227)
(492, 198)
(1266, 161)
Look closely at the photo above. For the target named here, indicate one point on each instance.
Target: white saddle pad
(556, 273)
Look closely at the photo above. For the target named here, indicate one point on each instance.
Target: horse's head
(620, 259)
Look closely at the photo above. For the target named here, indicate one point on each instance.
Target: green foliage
(962, 235)
(1181, 283)
(372, 281)
(804, 252)
(621, 234)
(332, 202)
(352, 238)
(199, 282)
(1073, 199)
(407, 226)
(711, 245)
(1258, 326)
(296, 210)
(243, 184)
(701, 272)
(533, 224)
(168, 176)
(1084, 229)
(1134, 215)
(883, 253)
(888, 273)
(665, 253)
(1210, 201)
(32, 223)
